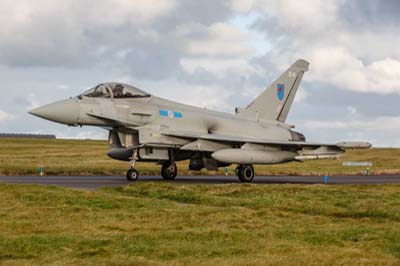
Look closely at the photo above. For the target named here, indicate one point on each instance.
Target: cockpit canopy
(114, 90)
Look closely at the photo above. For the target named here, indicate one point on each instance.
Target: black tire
(238, 172)
(132, 175)
(246, 174)
(169, 171)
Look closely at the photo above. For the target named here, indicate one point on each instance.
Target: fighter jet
(143, 127)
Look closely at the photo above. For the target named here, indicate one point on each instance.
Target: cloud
(217, 54)
(4, 116)
(242, 6)
(305, 17)
(84, 134)
(348, 57)
(380, 131)
(371, 14)
(219, 40)
(301, 95)
(71, 33)
(339, 67)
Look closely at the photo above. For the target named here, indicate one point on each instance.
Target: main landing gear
(245, 173)
(169, 170)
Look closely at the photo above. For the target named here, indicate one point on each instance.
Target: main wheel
(169, 170)
(132, 175)
(246, 174)
(238, 171)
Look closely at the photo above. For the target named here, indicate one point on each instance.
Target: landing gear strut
(169, 170)
(133, 174)
(245, 173)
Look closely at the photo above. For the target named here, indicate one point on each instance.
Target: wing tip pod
(354, 145)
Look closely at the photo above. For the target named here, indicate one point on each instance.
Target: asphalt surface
(91, 183)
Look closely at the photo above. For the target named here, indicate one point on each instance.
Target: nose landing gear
(133, 175)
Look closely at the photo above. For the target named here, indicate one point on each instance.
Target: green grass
(87, 157)
(169, 224)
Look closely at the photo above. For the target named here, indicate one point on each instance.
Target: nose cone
(64, 112)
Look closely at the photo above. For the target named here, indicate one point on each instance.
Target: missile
(303, 158)
(244, 156)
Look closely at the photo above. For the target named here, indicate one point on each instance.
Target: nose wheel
(169, 170)
(245, 173)
(132, 175)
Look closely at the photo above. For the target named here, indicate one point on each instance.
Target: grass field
(165, 223)
(79, 157)
(169, 224)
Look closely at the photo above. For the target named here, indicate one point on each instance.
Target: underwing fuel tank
(242, 156)
(121, 154)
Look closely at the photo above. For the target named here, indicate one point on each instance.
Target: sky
(217, 54)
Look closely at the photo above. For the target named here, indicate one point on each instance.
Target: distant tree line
(27, 136)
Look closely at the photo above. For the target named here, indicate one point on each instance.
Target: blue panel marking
(170, 114)
(178, 115)
(163, 113)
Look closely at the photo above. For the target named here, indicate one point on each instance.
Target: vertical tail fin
(275, 102)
